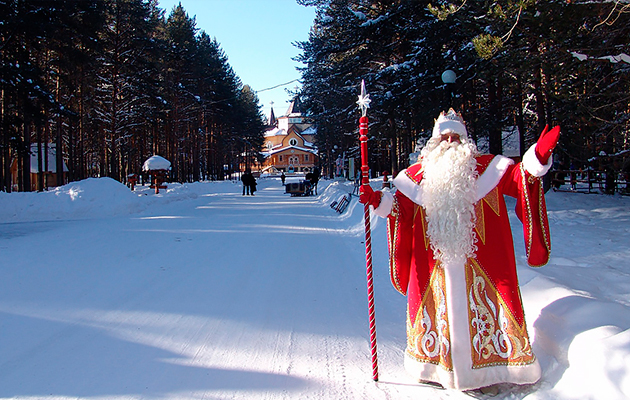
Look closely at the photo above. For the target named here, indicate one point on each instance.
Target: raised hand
(546, 143)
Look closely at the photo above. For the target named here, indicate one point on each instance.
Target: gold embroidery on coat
(496, 337)
(492, 200)
(393, 233)
(480, 224)
(425, 227)
(528, 209)
(428, 340)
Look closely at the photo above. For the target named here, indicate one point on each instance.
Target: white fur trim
(485, 182)
(463, 376)
(449, 122)
(469, 378)
(386, 204)
(408, 187)
(492, 176)
(449, 126)
(533, 165)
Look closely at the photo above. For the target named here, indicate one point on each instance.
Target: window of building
(293, 142)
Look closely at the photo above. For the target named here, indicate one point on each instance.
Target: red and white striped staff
(364, 104)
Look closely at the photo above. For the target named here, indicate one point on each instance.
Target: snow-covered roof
(280, 150)
(311, 130)
(156, 163)
(276, 132)
(52, 159)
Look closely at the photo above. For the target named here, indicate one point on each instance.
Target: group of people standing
(249, 183)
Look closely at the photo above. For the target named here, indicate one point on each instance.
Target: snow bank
(90, 198)
(97, 198)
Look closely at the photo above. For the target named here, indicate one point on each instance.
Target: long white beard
(449, 186)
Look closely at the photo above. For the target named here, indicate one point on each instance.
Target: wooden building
(50, 170)
(289, 143)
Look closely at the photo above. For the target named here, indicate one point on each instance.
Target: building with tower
(289, 142)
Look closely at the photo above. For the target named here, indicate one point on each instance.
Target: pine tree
(513, 59)
(123, 71)
(250, 128)
(217, 86)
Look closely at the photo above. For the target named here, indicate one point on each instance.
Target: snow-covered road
(217, 296)
(202, 293)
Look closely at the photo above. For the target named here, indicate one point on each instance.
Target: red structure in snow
(158, 168)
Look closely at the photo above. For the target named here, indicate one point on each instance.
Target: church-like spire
(272, 118)
(295, 107)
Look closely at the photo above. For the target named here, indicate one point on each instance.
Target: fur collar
(490, 168)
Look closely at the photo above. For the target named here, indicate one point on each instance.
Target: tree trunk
(5, 172)
(494, 134)
(520, 120)
(540, 101)
(40, 167)
(46, 160)
(59, 141)
(26, 156)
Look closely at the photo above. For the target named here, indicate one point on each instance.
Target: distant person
(283, 177)
(247, 178)
(252, 184)
(314, 178)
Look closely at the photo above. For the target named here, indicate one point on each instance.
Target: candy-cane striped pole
(364, 103)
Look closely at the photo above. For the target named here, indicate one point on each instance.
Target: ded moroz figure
(451, 253)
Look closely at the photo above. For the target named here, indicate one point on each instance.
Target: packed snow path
(221, 296)
(215, 295)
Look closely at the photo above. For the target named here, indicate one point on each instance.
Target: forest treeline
(113, 82)
(518, 63)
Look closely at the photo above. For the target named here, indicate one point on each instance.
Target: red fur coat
(466, 326)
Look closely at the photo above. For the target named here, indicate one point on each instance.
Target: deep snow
(202, 293)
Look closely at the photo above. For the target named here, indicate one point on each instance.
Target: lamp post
(449, 77)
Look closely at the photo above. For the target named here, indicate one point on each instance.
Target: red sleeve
(400, 241)
(531, 210)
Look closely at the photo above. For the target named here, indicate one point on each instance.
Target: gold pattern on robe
(496, 337)
(424, 223)
(393, 233)
(492, 200)
(428, 339)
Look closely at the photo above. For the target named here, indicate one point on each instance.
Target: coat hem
(473, 378)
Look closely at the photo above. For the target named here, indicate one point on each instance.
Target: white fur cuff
(385, 207)
(532, 165)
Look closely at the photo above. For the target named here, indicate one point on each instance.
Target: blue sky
(257, 37)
